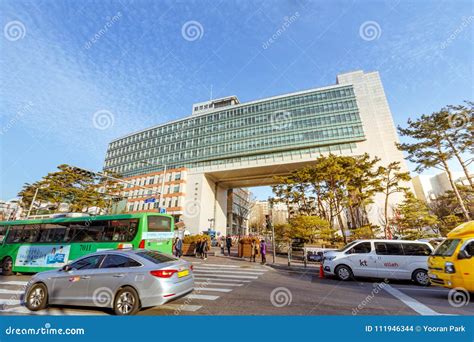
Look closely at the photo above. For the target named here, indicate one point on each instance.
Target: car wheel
(420, 277)
(37, 297)
(344, 272)
(7, 266)
(126, 302)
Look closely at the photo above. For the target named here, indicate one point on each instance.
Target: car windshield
(347, 246)
(447, 248)
(155, 257)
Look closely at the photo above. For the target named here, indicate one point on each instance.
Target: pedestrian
(198, 249)
(228, 242)
(222, 245)
(178, 247)
(254, 250)
(205, 248)
(263, 251)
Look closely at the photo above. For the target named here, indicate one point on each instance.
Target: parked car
(452, 263)
(123, 280)
(387, 259)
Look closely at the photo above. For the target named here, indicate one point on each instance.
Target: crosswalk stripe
(13, 282)
(3, 291)
(243, 269)
(53, 312)
(204, 277)
(214, 289)
(220, 284)
(216, 265)
(10, 302)
(179, 307)
(221, 271)
(203, 297)
(226, 275)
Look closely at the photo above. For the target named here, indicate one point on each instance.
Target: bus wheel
(126, 302)
(7, 266)
(37, 297)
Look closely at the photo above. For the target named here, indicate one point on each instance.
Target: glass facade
(315, 121)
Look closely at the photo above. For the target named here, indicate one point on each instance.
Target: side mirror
(464, 255)
(66, 268)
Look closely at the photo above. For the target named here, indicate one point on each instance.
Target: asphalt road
(226, 286)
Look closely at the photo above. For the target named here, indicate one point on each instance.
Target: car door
(114, 271)
(391, 261)
(466, 265)
(361, 260)
(70, 287)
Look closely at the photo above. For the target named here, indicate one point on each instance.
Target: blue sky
(63, 61)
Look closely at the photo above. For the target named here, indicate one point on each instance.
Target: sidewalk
(281, 261)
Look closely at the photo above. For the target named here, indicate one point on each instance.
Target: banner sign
(42, 256)
(157, 235)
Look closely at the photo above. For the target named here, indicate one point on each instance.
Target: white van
(387, 259)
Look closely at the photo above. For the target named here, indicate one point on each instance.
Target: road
(226, 286)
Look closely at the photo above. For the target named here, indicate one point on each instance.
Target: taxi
(452, 263)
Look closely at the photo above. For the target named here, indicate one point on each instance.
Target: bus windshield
(447, 248)
(159, 224)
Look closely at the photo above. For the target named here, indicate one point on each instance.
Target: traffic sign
(150, 200)
(162, 210)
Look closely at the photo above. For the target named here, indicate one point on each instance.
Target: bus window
(159, 224)
(14, 234)
(52, 232)
(124, 230)
(3, 232)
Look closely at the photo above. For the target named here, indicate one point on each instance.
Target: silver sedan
(123, 280)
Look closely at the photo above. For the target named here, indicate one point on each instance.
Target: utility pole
(32, 202)
(270, 225)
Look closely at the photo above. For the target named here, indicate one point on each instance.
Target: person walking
(205, 248)
(198, 248)
(178, 247)
(222, 245)
(254, 250)
(263, 251)
(228, 242)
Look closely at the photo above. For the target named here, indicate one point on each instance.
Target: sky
(76, 74)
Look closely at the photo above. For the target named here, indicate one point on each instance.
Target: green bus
(31, 246)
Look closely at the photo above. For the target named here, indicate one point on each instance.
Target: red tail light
(163, 273)
(191, 268)
(142, 244)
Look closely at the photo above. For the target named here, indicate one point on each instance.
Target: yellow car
(452, 263)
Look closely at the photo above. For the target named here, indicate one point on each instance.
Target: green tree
(428, 149)
(392, 180)
(80, 190)
(414, 219)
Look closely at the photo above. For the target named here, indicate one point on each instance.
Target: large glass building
(226, 144)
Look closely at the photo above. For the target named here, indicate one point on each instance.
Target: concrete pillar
(204, 200)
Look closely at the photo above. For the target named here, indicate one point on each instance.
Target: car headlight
(449, 267)
(331, 257)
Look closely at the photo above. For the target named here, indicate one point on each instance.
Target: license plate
(183, 273)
